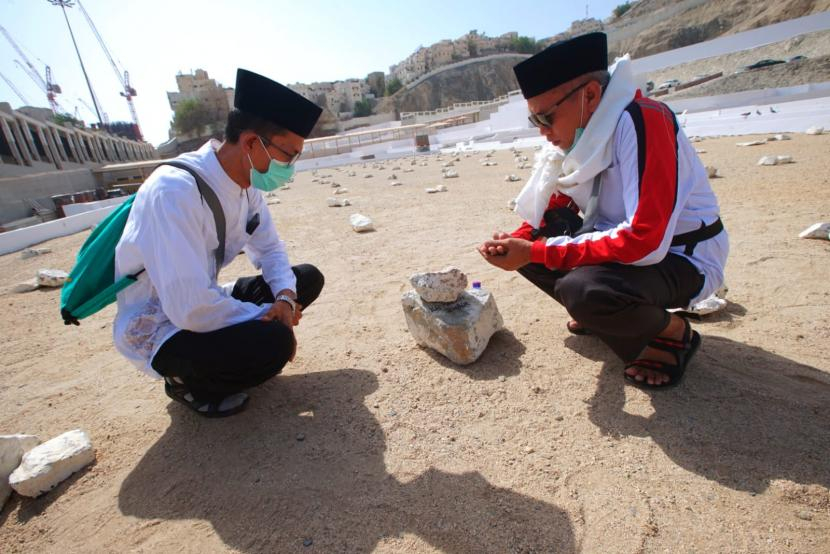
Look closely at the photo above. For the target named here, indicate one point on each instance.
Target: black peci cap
(262, 97)
(562, 61)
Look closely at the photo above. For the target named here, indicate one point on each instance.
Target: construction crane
(128, 91)
(14, 89)
(47, 86)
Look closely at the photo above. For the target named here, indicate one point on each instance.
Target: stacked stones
(442, 315)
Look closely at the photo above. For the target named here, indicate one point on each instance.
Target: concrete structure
(199, 86)
(39, 159)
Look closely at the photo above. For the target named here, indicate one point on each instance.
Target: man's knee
(310, 282)
(275, 349)
(582, 293)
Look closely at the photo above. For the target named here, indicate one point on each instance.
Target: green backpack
(91, 285)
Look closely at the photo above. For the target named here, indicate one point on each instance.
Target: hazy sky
(289, 41)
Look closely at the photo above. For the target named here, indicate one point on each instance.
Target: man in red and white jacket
(650, 237)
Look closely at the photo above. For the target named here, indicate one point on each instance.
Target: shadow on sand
(263, 490)
(742, 416)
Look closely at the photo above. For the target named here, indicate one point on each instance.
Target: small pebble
(300, 437)
(308, 542)
(805, 515)
(502, 378)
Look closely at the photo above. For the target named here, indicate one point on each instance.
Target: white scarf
(573, 173)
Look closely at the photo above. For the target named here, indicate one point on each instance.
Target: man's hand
(280, 311)
(506, 252)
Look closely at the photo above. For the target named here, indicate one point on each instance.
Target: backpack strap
(212, 200)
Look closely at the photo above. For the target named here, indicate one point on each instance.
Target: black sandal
(578, 330)
(233, 403)
(683, 352)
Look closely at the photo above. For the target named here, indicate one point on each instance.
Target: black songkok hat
(562, 61)
(262, 97)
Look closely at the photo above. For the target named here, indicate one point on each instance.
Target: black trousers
(226, 361)
(623, 305)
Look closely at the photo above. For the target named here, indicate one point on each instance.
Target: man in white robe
(210, 343)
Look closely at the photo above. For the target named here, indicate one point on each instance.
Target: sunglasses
(545, 120)
(291, 157)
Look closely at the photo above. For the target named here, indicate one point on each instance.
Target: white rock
(512, 178)
(783, 160)
(273, 201)
(450, 174)
(440, 286)
(779, 137)
(51, 277)
(512, 204)
(392, 177)
(32, 252)
(408, 170)
(360, 223)
(489, 164)
(396, 168)
(338, 202)
(459, 330)
(341, 191)
(423, 164)
(708, 306)
(700, 151)
(431, 190)
(815, 131)
(441, 188)
(12, 448)
(712, 171)
(449, 164)
(315, 180)
(48, 464)
(367, 176)
(26, 286)
(335, 185)
(286, 187)
(817, 231)
(395, 184)
(768, 160)
(752, 143)
(351, 174)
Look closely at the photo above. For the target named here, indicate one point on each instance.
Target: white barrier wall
(734, 43)
(82, 207)
(12, 241)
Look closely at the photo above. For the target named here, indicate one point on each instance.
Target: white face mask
(579, 130)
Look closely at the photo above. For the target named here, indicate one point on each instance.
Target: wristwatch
(285, 298)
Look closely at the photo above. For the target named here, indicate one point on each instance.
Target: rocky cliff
(477, 81)
(663, 25)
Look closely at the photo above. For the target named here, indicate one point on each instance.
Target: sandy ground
(538, 447)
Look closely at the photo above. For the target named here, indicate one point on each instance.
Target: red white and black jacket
(655, 192)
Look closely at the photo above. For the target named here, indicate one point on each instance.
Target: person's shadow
(302, 470)
(743, 416)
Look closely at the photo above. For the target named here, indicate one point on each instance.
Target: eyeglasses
(541, 120)
(291, 157)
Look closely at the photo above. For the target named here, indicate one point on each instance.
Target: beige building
(440, 53)
(337, 97)
(199, 86)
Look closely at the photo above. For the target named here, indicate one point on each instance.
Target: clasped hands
(506, 252)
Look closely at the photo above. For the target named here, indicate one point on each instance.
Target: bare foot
(674, 331)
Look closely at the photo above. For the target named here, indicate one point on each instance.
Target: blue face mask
(579, 130)
(277, 174)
